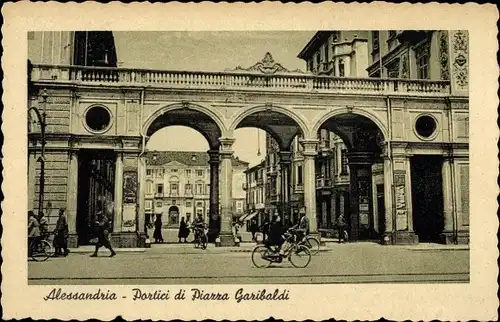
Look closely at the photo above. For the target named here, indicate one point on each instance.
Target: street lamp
(42, 120)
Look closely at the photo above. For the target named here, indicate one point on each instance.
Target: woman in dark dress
(183, 231)
(157, 233)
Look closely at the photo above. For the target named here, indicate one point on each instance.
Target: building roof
(314, 43)
(262, 164)
(193, 159)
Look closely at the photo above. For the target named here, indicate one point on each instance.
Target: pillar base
(400, 238)
(72, 241)
(128, 240)
(226, 240)
(461, 238)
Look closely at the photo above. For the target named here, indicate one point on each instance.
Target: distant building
(337, 53)
(255, 188)
(178, 185)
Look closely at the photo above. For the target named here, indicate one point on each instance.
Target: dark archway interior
(190, 118)
(280, 126)
(359, 133)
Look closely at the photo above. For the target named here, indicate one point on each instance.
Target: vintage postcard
(250, 160)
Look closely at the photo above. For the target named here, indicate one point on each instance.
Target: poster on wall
(401, 211)
(130, 187)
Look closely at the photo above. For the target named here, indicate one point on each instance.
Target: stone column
(72, 197)
(309, 154)
(214, 220)
(361, 204)
(118, 203)
(449, 217)
(285, 163)
(226, 191)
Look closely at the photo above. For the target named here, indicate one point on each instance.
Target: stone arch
(212, 114)
(336, 112)
(236, 120)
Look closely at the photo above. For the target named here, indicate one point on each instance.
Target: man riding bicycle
(275, 234)
(198, 226)
(302, 228)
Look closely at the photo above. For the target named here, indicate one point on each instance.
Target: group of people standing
(38, 228)
(185, 227)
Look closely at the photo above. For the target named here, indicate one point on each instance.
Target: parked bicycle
(39, 249)
(298, 254)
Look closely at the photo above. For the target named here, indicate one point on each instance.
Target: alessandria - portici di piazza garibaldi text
(195, 294)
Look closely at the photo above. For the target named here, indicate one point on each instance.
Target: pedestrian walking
(103, 228)
(342, 226)
(183, 231)
(61, 235)
(254, 229)
(264, 228)
(157, 235)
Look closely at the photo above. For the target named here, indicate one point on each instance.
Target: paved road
(342, 263)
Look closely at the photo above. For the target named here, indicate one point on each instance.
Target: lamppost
(43, 124)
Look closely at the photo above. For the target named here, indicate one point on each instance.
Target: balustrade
(236, 80)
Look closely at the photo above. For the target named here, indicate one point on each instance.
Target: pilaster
(214, 220)
(226, 152)
(72, 198)
(309, 153)
(117, 222)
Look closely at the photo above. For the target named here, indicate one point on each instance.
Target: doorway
(427, 197)
(96, 178)
(173, 216)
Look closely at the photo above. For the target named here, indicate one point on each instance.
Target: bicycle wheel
(259, 257)
(346, 236)
(203, 242)
(300, 256)
(41, 251)
(313, 244)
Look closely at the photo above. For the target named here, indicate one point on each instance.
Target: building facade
(90, 156)
(178, 186)
(255, 188)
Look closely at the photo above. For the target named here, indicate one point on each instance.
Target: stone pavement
(183, 264)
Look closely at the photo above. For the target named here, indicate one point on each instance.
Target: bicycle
(312, 243)
(298, 254)
(201, 239)
(40, 250)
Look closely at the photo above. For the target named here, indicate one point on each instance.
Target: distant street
(182, 264)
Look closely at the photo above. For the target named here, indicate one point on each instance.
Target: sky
(209, 51)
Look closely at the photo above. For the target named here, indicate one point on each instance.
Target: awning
(248, 216)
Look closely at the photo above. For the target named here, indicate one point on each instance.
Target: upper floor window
(189, 204)
(341, 68)
(188, 187)
(327, 52)
(343, 166)
(159, 188)
(422, 57)
(149, 187)
(375, 41)
(173, 170)
(299, 175)
(174, 188)
(148, 172)
(199, 173)
(188, 172)
(199, 189)
(393, 69)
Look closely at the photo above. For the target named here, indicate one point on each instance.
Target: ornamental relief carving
(460, 62)
(404, 66)
(443, 55)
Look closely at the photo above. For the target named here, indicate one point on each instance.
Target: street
(182, 264)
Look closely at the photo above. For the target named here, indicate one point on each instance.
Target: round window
(425, 126)
(98, 118)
